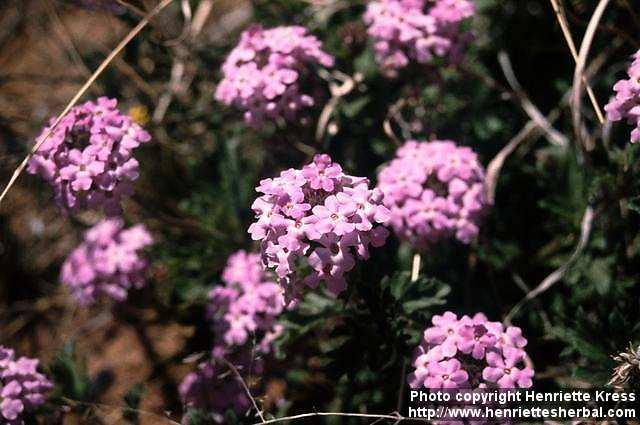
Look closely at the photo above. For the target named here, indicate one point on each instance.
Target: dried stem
(246, 388)
(557, 275)
(532, 111)
(415, 267)
(396, 417)
(125, 41)
(530, 130)
(578, 75)
(394, 112)
(131, 7)
(564, 26)
(338, 91)
(193, 25)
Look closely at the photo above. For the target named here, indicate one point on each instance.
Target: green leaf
(353, 108)
(634, 204)
(599, 274)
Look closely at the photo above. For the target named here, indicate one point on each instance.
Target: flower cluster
(246, 305)
(314, 222)
(404, 31)
(626, 103)
(435, 190)
(470, 353)
(213, 389)
(264, 73)
(88, 159)
(22, 387)
(107, 263)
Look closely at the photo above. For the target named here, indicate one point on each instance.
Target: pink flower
(88, 159)
(245, 306)
(335, 215)
(513, 337)
(243, 313)
(402, 30)
(332, 261)
(445, 374)
(475, 339)
(626, 103)
(470, 353)
(444, 333)
(22, 387)
(502, 369)
(263, 73)
(435, 191)
(319, 216)
(107, 263)
(321, 173)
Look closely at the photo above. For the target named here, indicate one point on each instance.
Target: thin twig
(174, 85)
(131, 7)
(125, 41)
(557, 275)
(525, 288)
(578, 75)
(532, 111)
(394, 112)
(529, 130)
(564, 26)
(194, 23)
(246, 388)
(398, 418)
(495, 166)
(338, 91)
(378, 420)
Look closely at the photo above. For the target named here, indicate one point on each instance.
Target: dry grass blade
(125, 41)
(578, 75)
(564, 26)
(558, 274)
